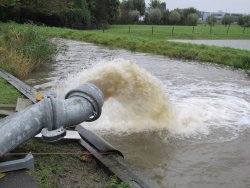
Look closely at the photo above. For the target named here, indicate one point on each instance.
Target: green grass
(141, 40)
(181, 32)
(8, 94)
(24, 50)
(63, 170)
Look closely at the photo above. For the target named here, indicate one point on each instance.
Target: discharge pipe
(50, 116)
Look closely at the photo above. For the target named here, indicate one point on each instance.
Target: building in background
(218, 15)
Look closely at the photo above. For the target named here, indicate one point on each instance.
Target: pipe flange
(54, 135)
(91, 93)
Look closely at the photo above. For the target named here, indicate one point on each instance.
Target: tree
(133, 16)
(138, 5)
(227, 20)
(241, 21)
(184, 14)
(104, 11)
(165, 17)
(127, 6)
(192, 19)
(155, 16)
(211, 20)
(157, 4)
(246, 20)
(10, 10)
(174, 17)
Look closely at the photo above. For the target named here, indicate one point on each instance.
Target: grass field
(181, 32)
(8, 94)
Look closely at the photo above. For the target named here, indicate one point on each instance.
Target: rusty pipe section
(81, 104)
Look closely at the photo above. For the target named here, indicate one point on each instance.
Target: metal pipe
(81, 104)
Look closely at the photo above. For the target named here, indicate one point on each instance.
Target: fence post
(173, 31)
(228, 29)
(193, 29)
(210, 30)
(152, 30)
(244, 29)
(129, 29)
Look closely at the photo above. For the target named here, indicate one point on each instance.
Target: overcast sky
(231, 6)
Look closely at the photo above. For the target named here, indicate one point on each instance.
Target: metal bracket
(54, 135)
(26, 163)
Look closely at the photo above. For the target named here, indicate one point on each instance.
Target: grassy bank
(141, 39)
(23, 50)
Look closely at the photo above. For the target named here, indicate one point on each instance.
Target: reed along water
(183, 124)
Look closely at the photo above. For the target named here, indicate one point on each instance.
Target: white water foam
(135, 101)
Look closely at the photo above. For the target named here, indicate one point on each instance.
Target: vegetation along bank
(154, 39)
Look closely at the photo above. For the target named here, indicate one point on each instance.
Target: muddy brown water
(208, 143)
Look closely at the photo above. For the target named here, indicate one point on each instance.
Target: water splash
(134, 99)
(137, 102)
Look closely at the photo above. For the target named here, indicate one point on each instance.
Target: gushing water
(135, 100)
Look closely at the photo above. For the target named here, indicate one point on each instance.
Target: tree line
(96, 13)
(157, 13)
(68, 13)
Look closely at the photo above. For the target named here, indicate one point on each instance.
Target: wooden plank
(7, 106)
(22, 104)
(26, 90)
(6, 112)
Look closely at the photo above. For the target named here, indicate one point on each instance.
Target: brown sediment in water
(141, 95)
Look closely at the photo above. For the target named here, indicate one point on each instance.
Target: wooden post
(193, 29)
(210, 30)
(244, 29)
(228, 29)
(152, 30)
(173, 31)
(103, 28)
